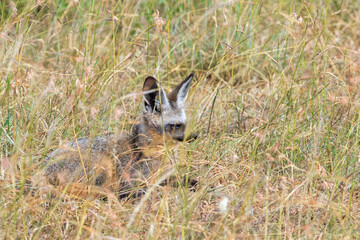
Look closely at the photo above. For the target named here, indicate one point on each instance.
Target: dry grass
(276, 103)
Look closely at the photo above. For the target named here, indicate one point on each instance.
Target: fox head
(164, 114)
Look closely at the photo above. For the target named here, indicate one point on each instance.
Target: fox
(120, 163)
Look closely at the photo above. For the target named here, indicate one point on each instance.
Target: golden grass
(275, 102)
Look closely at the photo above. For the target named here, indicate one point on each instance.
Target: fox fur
(121, 163)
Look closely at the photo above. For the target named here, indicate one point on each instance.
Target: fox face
(164, 114)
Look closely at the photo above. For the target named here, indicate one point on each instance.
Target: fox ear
(182, 90)
(151, 92)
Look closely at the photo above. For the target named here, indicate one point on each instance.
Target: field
(275, 102)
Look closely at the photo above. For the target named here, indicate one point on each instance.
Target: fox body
(121, 163)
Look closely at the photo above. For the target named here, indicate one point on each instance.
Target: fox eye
(174, 126)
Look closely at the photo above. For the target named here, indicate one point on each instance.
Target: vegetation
(275, 102)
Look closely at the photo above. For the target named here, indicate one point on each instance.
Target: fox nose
(192, 138)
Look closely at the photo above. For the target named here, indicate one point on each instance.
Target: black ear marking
(180, 91)
(151, 95)
(184, 89)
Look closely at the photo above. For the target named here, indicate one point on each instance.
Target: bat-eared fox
(121, 163)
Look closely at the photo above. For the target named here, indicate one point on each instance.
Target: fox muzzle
(190, 138)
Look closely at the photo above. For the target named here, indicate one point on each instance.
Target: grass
(275, 102)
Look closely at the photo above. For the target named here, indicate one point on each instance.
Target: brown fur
(120, 164)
